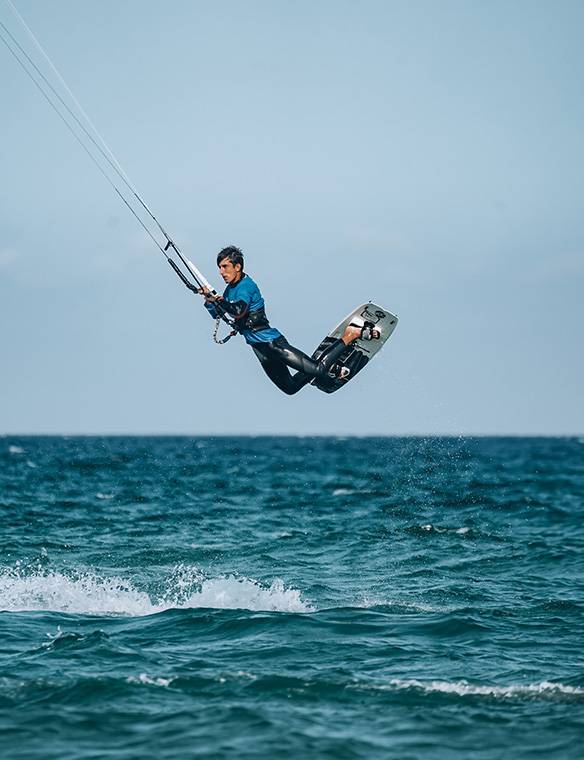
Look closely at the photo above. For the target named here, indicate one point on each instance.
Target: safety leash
(224, 340)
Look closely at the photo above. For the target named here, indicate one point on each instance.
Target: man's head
(230, 263)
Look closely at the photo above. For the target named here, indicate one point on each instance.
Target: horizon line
(291, 435)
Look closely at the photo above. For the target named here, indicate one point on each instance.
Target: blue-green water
(278, 598)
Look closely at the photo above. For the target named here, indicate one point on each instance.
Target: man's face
(229, 271)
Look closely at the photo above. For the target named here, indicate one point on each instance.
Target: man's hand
(209, 297)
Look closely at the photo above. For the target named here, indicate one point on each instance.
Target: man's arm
(211, 302)
(211, 307)
(237, 309)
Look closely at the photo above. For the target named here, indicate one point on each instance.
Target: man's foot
(353, 333)
(369, 333)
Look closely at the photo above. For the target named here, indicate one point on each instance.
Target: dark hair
(232, 253)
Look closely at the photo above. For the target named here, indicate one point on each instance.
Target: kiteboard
(361, 351)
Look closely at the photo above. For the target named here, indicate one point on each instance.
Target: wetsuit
(244, 302)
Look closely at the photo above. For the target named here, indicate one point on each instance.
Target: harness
(253, 320)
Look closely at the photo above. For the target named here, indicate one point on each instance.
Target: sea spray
(88, 592)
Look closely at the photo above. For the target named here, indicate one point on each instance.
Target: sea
(275, 597)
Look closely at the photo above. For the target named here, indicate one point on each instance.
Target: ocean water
(291, 597)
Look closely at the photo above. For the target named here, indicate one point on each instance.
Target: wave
(187, 588)
(272, 682)
(542, 690)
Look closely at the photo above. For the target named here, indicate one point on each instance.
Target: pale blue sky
(425, 155)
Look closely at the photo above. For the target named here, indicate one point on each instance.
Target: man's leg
(279, 373)
(278, 355)
(305, 365)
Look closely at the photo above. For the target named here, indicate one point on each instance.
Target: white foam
(242, 593)
(435, 529)
(104, 496)
(15, 450)
(89, 593)
(464, 688)
(146, 679)
(24, 590)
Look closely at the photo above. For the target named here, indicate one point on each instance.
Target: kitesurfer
(243, 301)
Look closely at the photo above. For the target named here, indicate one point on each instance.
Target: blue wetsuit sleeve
(239, 308)
(244, 295)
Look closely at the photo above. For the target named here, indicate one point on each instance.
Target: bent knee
(290, 391)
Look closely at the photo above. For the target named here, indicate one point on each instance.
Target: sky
(426, 156)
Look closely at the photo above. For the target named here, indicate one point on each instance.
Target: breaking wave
(89, 593)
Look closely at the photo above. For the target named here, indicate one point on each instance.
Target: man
(243, 301)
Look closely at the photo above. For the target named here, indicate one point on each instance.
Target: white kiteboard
(359, 353)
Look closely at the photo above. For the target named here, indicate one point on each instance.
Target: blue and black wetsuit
(244, 302)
